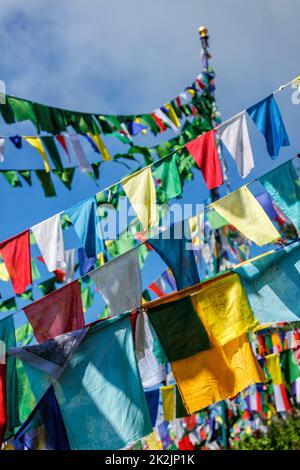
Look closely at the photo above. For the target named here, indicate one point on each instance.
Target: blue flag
(174, 247)
(85, 221)
(267, 118)
(44, 429)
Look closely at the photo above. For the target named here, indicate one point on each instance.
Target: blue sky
(127, 57)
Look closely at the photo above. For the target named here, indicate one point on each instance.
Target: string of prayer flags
(106, 383)
(15, 252)
(179, 329)
(9, 416)
(85, 222)
(44, 429)
(36, 143)
(273, 279)
(119, 282)
(224, 309)
(241, 209)
(83, 162)
(267, 118)
(167, 179)
(234, 135)
(49, 238)
(216, 374)
(140, 190)
(283, 184)
(58, 313)
(175, 248)
(205, 153)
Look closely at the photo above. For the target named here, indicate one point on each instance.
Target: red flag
(205, 153)
(56, 313)
(155, 288)
(16, 255)
(159, 122)
(185, 444)
(2, 401)
(62, 142)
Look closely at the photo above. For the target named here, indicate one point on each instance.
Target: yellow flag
(152, 441)
(140, 190)
(216, 374)
(242, 210)
(172, 114)
(168, 400)
(273, 367)
(101, 146)
(37, 144)
(4, 276)
(224, 309)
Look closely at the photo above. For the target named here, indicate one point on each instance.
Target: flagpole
(214, 193)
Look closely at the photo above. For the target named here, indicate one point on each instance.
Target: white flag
(234, 135)
(84, 164)
(2, 142)
(49, 237)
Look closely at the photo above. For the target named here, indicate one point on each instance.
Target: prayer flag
(49, 238)
(267, 118)
(36, 143)
(15, 252)
(242, 210)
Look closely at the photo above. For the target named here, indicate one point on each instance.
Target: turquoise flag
(283, 184)
(272, 284)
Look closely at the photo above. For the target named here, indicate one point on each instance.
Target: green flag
(26, 175)
(87, 298)
(46, 182)
(24, 334)
(167, 178)
(47, 286)
(50, 145)
(66, 176)
(8, 305)
(12, 177)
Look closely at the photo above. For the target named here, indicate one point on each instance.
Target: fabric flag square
(105, 382)
(234, 135)
(9, 416)
(205, 153)
(290, 366)
(167, 177)
(119, 282)
(85, 264)
(36, 143)
(273, 279)
(44, 429)
(174, 246)
(264, 199)
(16, 255)
(283, 184)
(168, 399)
(140, 190)
(152, 397)
(85, 221)
(224, 309)
(242, 210)
(216, 374)
(84, 164)
(57, 313)
(53, 355)
(267, 118)
(179, 329)
(101, 146)
(151, 371)
(49, 237)
(273, 367)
